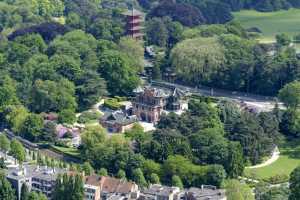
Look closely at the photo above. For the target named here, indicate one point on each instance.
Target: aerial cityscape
(149, 99)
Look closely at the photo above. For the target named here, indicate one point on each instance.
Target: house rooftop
(118, 117)
(206, 192)
(93, 180)
(160, 190)
(161, 92)
(27, 171)
(114, 185)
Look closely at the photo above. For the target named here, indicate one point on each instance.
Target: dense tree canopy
(17, 150)
(289, 95)
(116, 69)
(184, 13)
(62, 56)
(225, 57)
(196, 60)
(68, 188)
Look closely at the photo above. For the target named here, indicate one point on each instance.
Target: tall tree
(157, 33)
(6, 191)
(32, 127)
(69, 188)
(50, 96)
(290, 94)
(134, 50)
(17, 150)
(4, 143)
(235, 162)
(90, 87)
(24, 192)
(36, 196)
(197, 60)
(16, 117)
(154, 179)
(295, 184)
(87, 168)
(121, 77)
(8, 94)
(290, 124)
(139, 178)
(176, 181)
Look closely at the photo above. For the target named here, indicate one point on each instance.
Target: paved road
(261, 103)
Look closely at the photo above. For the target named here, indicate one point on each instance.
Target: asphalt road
(261, 103)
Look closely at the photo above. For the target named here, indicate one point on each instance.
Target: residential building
(39, 179)
(159, 192)
(44, 179)
(150, 102)
(113, 188)
(205, 192)
(109, 188)
(117, 121)
(69, 135)
(174, 101)
(92, 187)
(134, 23)
(17, 177)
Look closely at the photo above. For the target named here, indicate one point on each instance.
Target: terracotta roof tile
(93, 180)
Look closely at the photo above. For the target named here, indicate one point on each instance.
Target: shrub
(87, 117)
(205, 99)
(112, 103)
(277, 179)
(297, 38)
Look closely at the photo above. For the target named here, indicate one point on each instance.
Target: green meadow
(271, 23)
(289, 159)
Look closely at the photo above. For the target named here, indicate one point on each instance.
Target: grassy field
(271, 23)
(287, 162)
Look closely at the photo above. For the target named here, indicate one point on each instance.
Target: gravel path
(274, 157)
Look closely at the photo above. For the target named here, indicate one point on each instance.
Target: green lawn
(287, 162)
(271, 23)
(67, 150)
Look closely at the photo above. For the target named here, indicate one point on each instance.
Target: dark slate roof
(159, 190)
(178, 93)
(119, 117)
(160, 92)
(206, 193)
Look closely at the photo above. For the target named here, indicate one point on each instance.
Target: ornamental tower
(134, 24)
